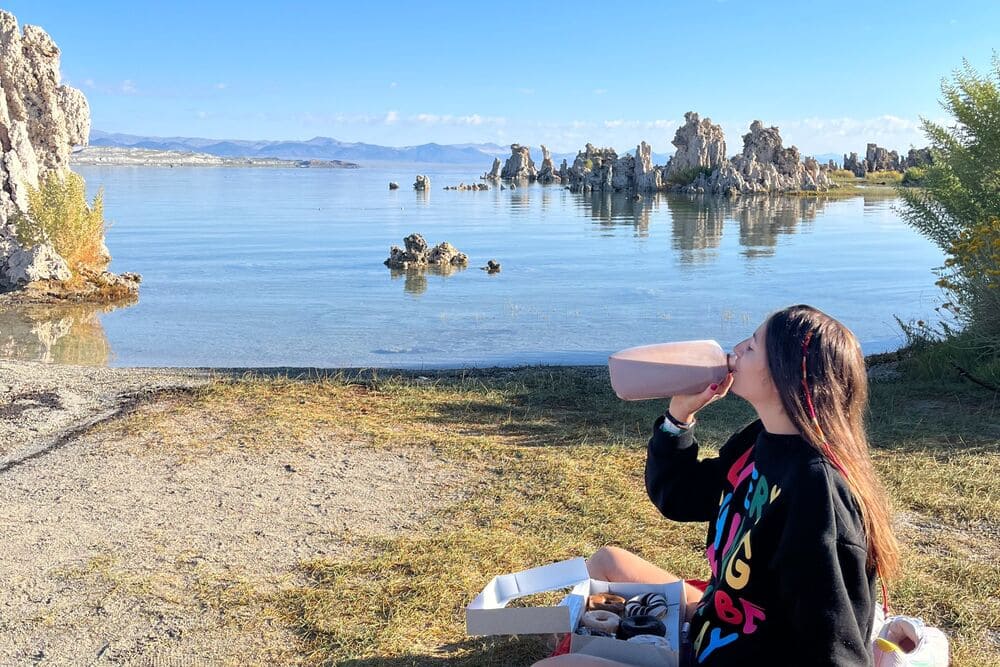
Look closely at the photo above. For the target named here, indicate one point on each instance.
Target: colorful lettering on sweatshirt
(725, 614)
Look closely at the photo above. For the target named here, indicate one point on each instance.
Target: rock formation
(594, 169)
(701, 147)
(471, 186)
(881, 159)
(765, 165)
(548, 173)
(494, 173)
(40, 123)
(918, 157)
(393, 185)
(699, 165)
(492, 266)
(519, 166)
(416, 255)
(20, 265)
(645, 176)
(857, 167)
(422, 183)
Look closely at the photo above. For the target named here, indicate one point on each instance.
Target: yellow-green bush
(884, 177)
(958, 205)
(914, 176)
(58, 213)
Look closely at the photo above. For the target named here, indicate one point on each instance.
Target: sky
(831, 76)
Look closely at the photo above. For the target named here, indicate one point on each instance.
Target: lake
(283, 267)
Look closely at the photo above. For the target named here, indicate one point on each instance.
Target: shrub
(842, 175)
(958, 207)
(914, 176)
(883, 177)
(59, 214)
(688, 176)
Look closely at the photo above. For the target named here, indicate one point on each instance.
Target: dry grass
(59, 213)
(559, 461)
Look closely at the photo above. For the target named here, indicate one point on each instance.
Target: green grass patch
(558, 463)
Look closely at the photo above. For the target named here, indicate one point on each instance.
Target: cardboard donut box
(489, 613)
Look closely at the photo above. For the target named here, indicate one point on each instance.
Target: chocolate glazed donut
(641, 625)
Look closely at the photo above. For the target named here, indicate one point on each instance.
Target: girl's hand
(684, 407)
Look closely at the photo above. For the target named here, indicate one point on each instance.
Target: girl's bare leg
(614, 564)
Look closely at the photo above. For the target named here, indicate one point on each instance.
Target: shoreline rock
(40, 123)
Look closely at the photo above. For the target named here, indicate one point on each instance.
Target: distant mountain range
(326, 148)
(318, 148)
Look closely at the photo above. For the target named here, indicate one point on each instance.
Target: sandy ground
(117, 552)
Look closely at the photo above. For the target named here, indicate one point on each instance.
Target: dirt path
(119, 549)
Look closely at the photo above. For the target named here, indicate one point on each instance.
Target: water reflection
(415, 279)
(698, 221)
(57, 333)
(614, 209)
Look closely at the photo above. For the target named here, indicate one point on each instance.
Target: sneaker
(905, 641)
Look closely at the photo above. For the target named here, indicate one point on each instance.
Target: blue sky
(831, 75)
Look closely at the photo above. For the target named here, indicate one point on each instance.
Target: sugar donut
(607, 602)
(605, 621)
(650, 604)
(641, 625)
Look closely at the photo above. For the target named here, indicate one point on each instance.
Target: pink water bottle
(668, 369)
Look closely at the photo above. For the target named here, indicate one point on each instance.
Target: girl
(799, 526)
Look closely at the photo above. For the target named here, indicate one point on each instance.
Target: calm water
(265, 267)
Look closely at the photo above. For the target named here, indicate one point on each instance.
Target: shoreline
(100, 156)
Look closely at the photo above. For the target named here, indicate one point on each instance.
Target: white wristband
(669, 427)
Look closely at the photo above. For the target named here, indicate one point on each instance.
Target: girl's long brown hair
(838, 386)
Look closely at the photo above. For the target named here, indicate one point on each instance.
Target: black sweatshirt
(786, 546)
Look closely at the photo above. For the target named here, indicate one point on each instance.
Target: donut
(641, 625)
(650, 640)
(605, 621)
(607, 602)
(650, 604)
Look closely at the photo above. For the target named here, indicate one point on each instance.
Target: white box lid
(488, 613)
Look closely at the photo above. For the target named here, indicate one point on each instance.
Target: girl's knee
(603, 561)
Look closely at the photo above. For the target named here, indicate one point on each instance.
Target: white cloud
(391, 117)
(221, 86)
(658, 124)
(128, 87)
(202, 114)
(600, 91)
(393, 84)
(847, 134)
(448, 119)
